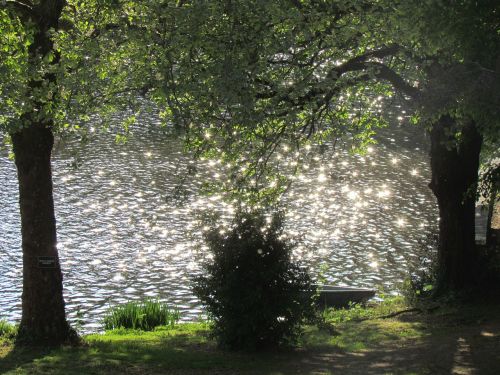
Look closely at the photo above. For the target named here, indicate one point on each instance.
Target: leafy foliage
(255, 294)
(98, 65)
(489, 183)
(422, 276)
(7, 330)
(144, 315)
(264, 80)
(455, 46)
(13, 59)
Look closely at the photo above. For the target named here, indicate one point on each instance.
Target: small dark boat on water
(341, 296)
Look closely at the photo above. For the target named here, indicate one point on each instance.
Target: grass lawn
(448, 340)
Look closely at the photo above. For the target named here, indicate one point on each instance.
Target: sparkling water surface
(126, 218)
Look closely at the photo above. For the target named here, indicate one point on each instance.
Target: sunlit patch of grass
(191, 333)
(354, 336)
(362, 327)
(7, 330)
(358, 312)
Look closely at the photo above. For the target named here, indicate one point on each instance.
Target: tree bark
(43, 318)
(454, 166)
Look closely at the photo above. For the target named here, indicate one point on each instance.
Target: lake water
(126, 219)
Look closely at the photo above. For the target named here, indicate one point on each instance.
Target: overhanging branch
(328, 88)
(385, 73)
(23, 9)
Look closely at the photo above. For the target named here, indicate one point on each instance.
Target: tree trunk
(43, 316)
(454, 165)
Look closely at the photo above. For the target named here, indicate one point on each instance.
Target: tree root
(397, 313)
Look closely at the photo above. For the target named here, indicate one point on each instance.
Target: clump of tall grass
(145, 315)
(7, 330)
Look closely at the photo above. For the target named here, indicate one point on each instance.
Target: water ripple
(125, 221)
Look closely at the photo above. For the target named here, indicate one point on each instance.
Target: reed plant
(7, 330)
(141, 315)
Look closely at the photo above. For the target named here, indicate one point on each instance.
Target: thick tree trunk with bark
(454, 165)
(43, 316)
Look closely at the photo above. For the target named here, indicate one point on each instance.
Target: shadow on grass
(15, 357)
(464, 341)
(177, 354)
(456, 342)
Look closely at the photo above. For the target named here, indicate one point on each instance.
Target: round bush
(255, 294)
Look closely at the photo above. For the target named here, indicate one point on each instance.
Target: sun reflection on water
(127, 226)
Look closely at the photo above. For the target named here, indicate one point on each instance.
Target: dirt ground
(473, 349)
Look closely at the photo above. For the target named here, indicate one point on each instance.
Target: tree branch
(24, 9)
(387, 74)
(383, 72)
(355, 64)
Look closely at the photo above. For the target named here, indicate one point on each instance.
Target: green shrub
(256, 296)
(145, 315)
(7, 330)
(422, 276)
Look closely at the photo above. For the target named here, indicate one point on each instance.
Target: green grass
(417, 343)
(370, 334)
(358, 312)
(183, 347)
(7, 330)
(188, 349)
(145, 315)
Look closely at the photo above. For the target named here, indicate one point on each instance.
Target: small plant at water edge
(7, 330)
(145, 315)
(423, 274)
(256, 296)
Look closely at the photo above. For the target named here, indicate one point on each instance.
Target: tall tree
(43, 314)
(261, 77)
(60, 60)
(457, 46)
